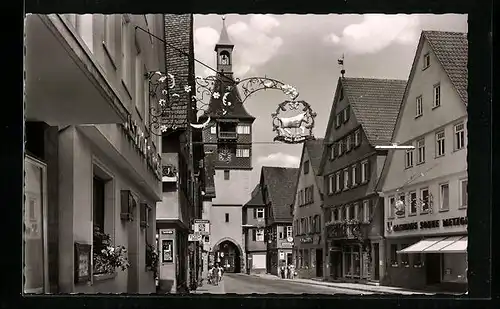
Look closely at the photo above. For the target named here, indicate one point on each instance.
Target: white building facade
(425, 189)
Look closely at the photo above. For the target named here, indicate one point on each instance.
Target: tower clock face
(225, 155)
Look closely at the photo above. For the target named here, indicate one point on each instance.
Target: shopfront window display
(454, 267)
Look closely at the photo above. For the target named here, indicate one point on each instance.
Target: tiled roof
(256, 199)
(315, 151)
(235, 110)
(179, 33)
(375, 103)
(451, 50)
(280, 182)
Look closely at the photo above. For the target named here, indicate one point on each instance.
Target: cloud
(254, 44)
(376, 32)
(279, 159)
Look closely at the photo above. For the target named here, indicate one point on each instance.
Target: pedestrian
(292, 271)
(282, 272)
(220, 272)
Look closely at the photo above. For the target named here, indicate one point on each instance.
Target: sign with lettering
(202, 227)
(167, 232)
(287, 244)
(431, 224)
(194, 237)
(143, 145)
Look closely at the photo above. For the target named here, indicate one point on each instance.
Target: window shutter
(254, 234)
(255, 213)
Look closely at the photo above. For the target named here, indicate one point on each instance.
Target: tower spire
(224, 36)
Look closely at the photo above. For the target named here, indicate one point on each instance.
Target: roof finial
(341, 63)
(223, 17)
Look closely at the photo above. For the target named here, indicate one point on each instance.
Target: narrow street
(247, 284)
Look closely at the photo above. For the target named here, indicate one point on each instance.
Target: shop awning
(454, 244)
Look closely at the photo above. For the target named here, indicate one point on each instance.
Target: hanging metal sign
(294, 122)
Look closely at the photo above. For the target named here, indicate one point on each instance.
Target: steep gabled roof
(314, 150)
(375, 104)
(280, 182)
(451, 50)
(257, 198)
(224, 36)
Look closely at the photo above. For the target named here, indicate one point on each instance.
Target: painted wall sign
(143, 145)
(82, 263)
(431, 224)
(455, 221)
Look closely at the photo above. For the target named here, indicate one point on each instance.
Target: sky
(302, 50)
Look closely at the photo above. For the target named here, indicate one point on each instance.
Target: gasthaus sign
(428, 225)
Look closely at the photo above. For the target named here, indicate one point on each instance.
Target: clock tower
(228, 161)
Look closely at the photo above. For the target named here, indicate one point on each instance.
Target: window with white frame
(421, 151)
(409, 158)
(243, 129)
(357, 138)
(413, 202)
(436, 101)
(242, 152)
(259, 235)
(424, 200)
(346, 179)
(444, 196)
(338, 119)
(392, 206)
(459, 142)
(213, 129)
(260, 213)
(332, 152)
(289, 231)
(464, 195)
(427, 61)
(357, 213)
(331, 179)
(366, 211)
(440, 146)
(348, 143)
(340, 147)
(337, 181)
(108, 40)
(354, 172)
(418, 106)
(364, 171)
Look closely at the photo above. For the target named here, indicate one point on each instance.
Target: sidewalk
(210, 288)
(378, 289)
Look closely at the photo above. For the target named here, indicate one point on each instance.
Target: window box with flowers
(107, 257)
(152, 260)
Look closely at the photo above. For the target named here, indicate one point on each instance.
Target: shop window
(394, 255)
(454, 268)
(417, 260)
(405, 259)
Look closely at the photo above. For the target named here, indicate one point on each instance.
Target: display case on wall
(35, 226)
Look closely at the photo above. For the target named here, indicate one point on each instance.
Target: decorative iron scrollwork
(293, 121)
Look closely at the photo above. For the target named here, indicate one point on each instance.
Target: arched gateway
(229, 255)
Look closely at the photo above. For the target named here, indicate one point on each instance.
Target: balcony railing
(228, 135)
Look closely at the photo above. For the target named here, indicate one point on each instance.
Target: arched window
(224, 58)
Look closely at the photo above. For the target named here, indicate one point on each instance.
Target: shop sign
(455, 221)
(143, 145)
(194, 237)
(287, 244)
(431, 224)
(202, 227)
(167, 232)
(306, 240)
(282, 255)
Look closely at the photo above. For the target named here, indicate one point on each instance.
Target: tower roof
(224, 36)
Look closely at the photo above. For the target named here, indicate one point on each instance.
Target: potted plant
(152, 259)
(106, 256)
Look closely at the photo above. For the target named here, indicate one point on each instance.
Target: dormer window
(427, 61)
(347, 113)
(338, 120)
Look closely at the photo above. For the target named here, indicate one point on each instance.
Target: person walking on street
(282, 272)
(220, 272)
